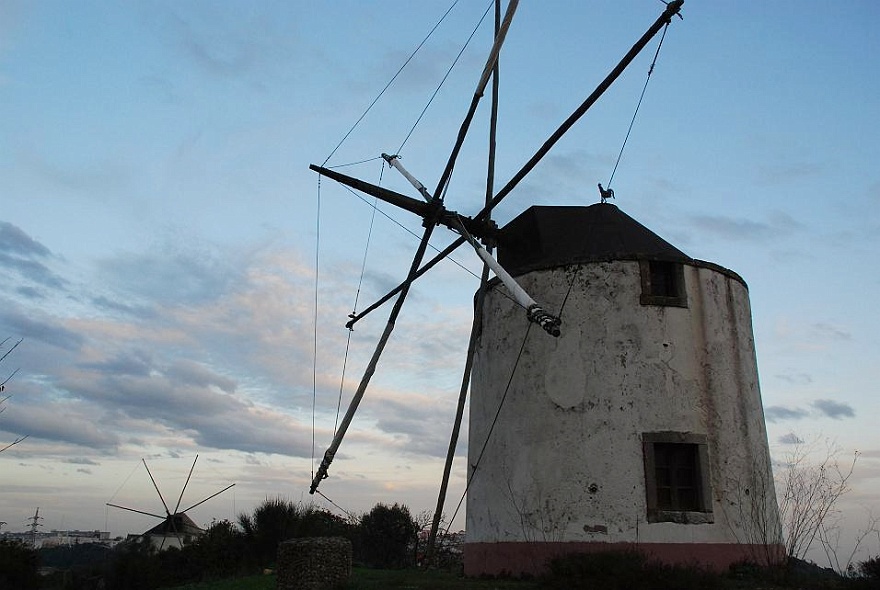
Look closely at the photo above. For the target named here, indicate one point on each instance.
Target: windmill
(176, 528)
(662, 463)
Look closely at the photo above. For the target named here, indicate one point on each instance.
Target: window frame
(703, 514)
(648, 297)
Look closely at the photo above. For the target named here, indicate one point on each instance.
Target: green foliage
(78, 555)
(18, 566)
(870, 568)
(277, 520)
(385, 536)
(624, 570)
(220, 552)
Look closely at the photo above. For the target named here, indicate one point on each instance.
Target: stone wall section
(313, 563)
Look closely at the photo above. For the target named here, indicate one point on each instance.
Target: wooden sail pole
(431, 219)
(672, 9)
(476, 325)
(491, 61)
(330, 453)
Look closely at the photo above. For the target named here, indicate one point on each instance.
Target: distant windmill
(175, 525)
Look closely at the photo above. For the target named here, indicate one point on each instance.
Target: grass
(604, 578)
(258, 582)
(371, 579)
(415, 579)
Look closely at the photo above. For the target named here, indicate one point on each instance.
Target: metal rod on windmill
(534, 312)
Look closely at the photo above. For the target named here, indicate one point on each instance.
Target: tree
(386, 535)
(808, 495)
(277, 520)
(3, 383)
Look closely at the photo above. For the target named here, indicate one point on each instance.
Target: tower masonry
(641, 426)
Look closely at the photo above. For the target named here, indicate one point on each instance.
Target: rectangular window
(662, 283)
(676, 477)
(676, 469)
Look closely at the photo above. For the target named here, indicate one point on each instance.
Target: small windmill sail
(175, 525)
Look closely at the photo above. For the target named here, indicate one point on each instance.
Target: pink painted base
(532, 558)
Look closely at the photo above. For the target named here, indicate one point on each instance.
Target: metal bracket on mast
(394, 162)
(534, 312)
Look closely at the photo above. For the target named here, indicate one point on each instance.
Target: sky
(161, 233)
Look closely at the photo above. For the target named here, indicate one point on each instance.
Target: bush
(870, 568)
(385, 536)
(18, 566)
(221, 552)
(277, 520)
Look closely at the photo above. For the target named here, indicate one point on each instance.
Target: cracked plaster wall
(565, 460)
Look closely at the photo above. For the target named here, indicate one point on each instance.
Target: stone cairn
(313, 563)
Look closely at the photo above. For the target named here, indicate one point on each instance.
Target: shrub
(18, 566)
(277, 520)
(870, 568)
(385, 536)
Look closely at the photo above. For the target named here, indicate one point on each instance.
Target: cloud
(192, 373)
(63, 421)
(776, 174)
(791, 439)
(182, 273)
(226, 48)
(107, 304)
(776, 413)
(22, 254)
(136, 363)
(795, 378)
(833, 409)
(80, 461)
(34, 325)
(15, 241)
(831, 332)
(777, 225)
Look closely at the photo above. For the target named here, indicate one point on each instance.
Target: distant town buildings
(61, 538)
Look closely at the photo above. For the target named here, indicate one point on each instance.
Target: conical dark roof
(547, 237)
(180, 525)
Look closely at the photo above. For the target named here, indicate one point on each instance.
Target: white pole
(534, 312)
(394, 161)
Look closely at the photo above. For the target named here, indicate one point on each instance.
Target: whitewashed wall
(565, 459)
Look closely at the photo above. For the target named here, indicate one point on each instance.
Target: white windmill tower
(639, 425)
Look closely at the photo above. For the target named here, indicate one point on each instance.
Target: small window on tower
(662, 283)
(676, 478)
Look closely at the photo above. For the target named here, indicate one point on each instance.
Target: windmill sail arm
(475, 101)
(408, 281)
(374, 360)
(672, 9)
(133, 510)
(398, 200)
(394, 162)
(433, 210)
(534, 311)
(208, 498)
